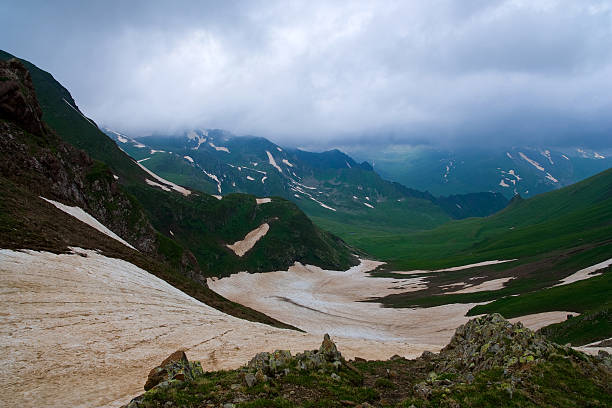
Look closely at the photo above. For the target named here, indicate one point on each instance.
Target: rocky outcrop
(176, 367)
(17, 98)
(32, 155)
(492, 341)
(266, 366)
(486, 355)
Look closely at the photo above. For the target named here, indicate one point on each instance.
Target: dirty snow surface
(83, 216)
(84, 330)
(243, 246)
(321, 301)
(586, 273)
(162, 180)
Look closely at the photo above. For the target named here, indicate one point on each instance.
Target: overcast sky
(305, 73)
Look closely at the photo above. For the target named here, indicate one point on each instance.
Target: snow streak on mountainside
(515, 170)
(328, 184)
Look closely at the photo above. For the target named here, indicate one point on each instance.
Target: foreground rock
(488, 362)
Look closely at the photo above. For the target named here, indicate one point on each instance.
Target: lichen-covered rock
(175, 367)
(492, 341)
(271, 363)
(280, 362)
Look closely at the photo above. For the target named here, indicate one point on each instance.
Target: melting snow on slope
(546, 153)
(503, 183)
(368, 205)
(194, 136)
(242, 247)
(273, 162)
(83, 216)
(175, 187)
(494, 284)
(120, 138)
(287, 163)
(456, 268)
(154, 184)
(263, 200)
(532, 162)
(551, 178)
(212, 176)
(263, 180)
(250, 178)
(188, 158)
(585, 273)
(219, 148)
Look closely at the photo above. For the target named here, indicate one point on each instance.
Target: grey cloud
(331, 73)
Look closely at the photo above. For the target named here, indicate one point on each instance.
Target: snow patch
(212, 176)
(188, 158)
(250, 178)
(368, 205)
(242, 247)
(83, 216)
(532, 162)
(153, 151)
(509, 155)
(175, 187)
(218, 197)
(585, 273)
(263, 180)
(116, 177)
(565, 157)
(279, 149)
(154, 184)
(551, 178)
(273, 162)
(546, 153)
(200, 139)
(287, 163)
(598, 156)
(219, 148)
(348, 165)
(141, 160)
(503, 183)
(263, 200)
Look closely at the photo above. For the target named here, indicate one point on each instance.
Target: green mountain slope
(36, 163)
(328, 185)
(551, 236)
(292, 237)
(524, 170)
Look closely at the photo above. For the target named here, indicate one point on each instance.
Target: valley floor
(82, 329)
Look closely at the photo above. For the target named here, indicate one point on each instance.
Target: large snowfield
(83, 330)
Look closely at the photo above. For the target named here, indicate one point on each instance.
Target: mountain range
(207, 204)
(524, 170)
(329, 185)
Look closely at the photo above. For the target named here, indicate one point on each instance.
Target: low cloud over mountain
(320, 73)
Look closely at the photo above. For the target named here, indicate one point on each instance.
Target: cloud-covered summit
(317, 72)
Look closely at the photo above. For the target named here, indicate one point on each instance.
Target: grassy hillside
(576, 215)
(195, 219)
